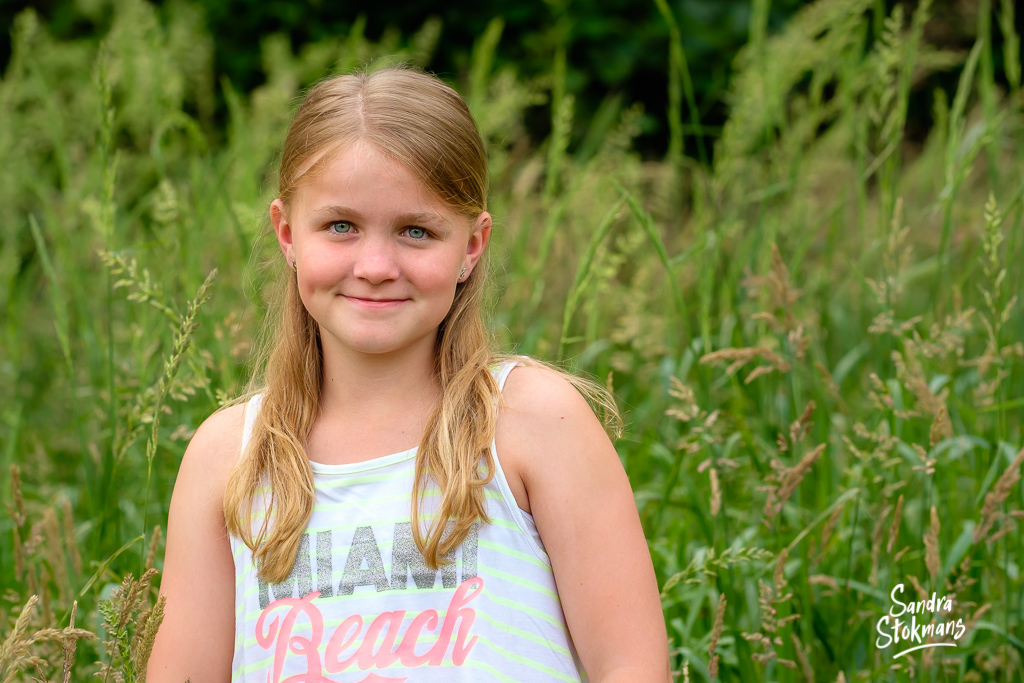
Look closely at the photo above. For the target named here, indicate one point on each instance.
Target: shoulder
(543, 398)
(198, 574)
(546, 433)
(214, 447)
(198, 498)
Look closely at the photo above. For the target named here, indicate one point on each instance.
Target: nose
(376, 260)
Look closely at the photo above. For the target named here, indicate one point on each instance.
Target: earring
(295, 266)
(462, 275)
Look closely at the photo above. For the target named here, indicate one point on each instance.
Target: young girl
(397, 503)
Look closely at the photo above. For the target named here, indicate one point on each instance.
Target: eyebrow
(417, 217)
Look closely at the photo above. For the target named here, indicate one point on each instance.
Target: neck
(364, 387)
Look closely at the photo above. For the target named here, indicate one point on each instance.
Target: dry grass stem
(931, 544)
(742, 356)
(716, 632)
(922, 593)
(798, 430)
(697, 572)
(876, 545)
(154, 547)
(823, 580)
(716, 492)
(894, 529)
(18, 649)
(801, 658)
(990, 512)
(779, 575)
(792, 476)
(941, 428)
(830, 525)
(69, 646)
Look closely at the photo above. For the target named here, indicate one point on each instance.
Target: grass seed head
(716, 492)
(931, 544)
(801, 658)
(894, 528)
(792, 476)
(876, 544)
(941, 428)
(716, 632)
(990, 511)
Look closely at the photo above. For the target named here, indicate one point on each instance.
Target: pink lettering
(457, 610)
(273, 632)
(343, 636)
(300, 645)
(407, 649)
(385, 656)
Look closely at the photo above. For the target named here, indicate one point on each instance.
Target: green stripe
(342, 480)
(484, 666)
(425, 636)
(506, 550)
(518, 606)
(529, 585)
(512, 630)
(526, 661)
(474, 663)
(507, 524)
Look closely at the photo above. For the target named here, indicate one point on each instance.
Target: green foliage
(131, 629)
(815, 339)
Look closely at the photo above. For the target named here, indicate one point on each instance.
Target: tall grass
(816, 337)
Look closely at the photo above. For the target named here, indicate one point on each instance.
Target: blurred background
(787, 235)
(615, 49)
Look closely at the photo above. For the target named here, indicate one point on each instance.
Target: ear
(279, 219)
(478, 239)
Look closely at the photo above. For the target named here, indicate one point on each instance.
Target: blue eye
(417, 233)
(344, 227)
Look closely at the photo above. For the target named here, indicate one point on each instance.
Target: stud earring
(462, 275)
(295, 266)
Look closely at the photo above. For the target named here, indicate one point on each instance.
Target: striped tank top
(361, 606)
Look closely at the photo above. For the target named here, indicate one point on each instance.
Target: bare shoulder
(214, 447)
(538, 393)
(546, 428)
(581, 502)
(198, 572)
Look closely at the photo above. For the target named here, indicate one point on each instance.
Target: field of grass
(816, 337)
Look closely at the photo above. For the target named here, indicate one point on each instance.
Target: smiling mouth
(375, 303)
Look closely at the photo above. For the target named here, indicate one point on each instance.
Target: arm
(196, 638)
(569, 477)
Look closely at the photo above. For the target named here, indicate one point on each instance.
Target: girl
(397, 503)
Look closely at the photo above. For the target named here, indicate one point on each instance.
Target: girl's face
(378, 255)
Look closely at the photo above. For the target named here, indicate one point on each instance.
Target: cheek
(316, 280)
(437, 276)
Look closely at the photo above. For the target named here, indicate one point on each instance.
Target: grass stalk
(583, 273)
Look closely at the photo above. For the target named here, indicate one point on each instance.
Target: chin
(376, 345)
(374, 340)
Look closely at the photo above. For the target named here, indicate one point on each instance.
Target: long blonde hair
(419, 121)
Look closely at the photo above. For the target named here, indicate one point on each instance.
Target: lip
(375, 303)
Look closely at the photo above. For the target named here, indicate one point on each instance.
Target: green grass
(820, 257)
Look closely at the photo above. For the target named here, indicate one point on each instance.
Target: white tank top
(361, 606)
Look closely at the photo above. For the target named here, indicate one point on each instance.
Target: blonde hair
(419, 121)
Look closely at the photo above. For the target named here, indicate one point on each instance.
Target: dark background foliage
(616, 50)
